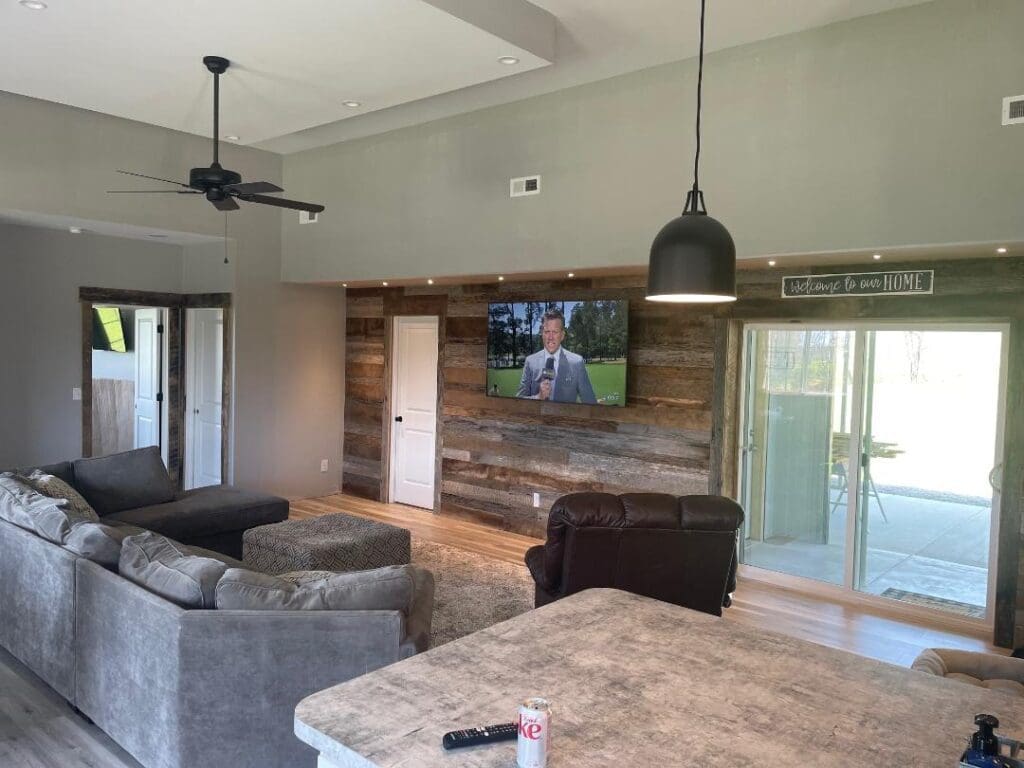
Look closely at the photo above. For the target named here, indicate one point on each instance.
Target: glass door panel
(799, 409)
(931, 410)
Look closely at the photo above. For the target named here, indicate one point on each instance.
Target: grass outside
(608, 380)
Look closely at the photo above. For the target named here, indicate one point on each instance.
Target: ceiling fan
(221, 186)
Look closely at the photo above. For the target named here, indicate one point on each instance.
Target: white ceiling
(407, 61)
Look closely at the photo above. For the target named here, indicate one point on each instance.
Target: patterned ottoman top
(319, 532)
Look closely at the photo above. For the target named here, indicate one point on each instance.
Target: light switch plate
(76, 393)
(536, 499)
(323, 465)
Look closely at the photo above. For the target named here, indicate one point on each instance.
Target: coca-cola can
(534, 733)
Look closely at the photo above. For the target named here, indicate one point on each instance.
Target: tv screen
(560, 351)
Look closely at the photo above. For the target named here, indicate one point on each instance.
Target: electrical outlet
(76, 393)
(323, 465)
(536, 499)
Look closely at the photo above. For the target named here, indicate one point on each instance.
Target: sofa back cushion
(56, 488)
(392, 588)
(100, 542)
(165, 568)
(24, 506)
(124, 480)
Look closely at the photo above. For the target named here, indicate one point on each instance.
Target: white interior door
(203, 397)
(414, 414)
(147, 377)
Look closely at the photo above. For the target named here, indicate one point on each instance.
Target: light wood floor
(877, 634)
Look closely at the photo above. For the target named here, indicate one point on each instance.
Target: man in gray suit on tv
(554, 373)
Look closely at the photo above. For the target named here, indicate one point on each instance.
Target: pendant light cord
(700, 83)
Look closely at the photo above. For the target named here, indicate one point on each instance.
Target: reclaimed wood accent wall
(495, 453)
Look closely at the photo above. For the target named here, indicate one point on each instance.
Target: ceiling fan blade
(154, 178)
(153, 192)
(253, 187)
(281, 202)
(227, 204)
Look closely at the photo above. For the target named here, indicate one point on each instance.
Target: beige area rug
(471, 591)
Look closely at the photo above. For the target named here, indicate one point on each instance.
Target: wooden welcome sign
(901, 283)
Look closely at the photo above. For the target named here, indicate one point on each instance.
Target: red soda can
(534, 733)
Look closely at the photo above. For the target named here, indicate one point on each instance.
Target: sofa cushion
(124, 480)
(24, 506)
(391, 588)
(100, 542)
(55, 488)
(165, 568)
(207, 511)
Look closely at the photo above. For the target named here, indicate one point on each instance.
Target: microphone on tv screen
(549, 369)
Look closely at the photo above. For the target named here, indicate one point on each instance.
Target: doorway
(413, 437)
(204, 387)
(869, 459)
(129, 378)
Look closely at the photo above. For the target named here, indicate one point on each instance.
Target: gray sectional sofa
(134, 487)
(180, 686)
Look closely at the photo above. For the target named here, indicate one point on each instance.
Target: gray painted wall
(879, 132)
(42, 329)
(59, 160)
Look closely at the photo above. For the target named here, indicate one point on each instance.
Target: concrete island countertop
(637, 682)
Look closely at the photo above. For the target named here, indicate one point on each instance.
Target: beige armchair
(985, 670)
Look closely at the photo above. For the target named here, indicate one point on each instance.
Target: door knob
(398, 418)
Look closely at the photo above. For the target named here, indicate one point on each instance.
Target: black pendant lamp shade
(693, 258)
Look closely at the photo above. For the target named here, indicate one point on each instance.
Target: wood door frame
(395, 305)
(391, 372)
(175, 304)
(985, 290)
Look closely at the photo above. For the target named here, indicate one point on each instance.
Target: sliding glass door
(867, 455)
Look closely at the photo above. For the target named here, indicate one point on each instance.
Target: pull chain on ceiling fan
(222, 187)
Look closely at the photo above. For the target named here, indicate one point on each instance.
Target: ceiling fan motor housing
(213, 177)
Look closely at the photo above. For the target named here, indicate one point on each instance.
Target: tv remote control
(487, 734)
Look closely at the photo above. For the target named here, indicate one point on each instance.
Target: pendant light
(693, 258)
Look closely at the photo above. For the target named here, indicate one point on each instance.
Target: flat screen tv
(560, 351)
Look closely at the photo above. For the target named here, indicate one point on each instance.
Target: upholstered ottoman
(329, 543)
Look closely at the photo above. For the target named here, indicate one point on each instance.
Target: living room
(791, 498)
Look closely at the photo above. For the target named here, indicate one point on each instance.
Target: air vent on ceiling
(1013, 110)
(306, 217)
(524, 185)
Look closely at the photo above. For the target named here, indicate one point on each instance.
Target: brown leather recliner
(678, 549)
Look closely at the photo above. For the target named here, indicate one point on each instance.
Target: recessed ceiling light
(344, 285)
(509, 60)
(572, 274)
(352, 104)
(33, 5)
(876, 256)
(500, 278)
(771, 262)
(430, 281)
(75, 230)
(1000, 250)
(231, 137)
(385, 283)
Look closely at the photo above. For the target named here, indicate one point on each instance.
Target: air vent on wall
(524, 185)
(1013, 110)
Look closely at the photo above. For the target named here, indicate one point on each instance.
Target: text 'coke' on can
(534, 733)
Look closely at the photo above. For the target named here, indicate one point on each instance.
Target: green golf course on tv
(559, 351)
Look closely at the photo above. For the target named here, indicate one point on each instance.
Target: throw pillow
(382, 589)
(165, 568)
(55, 488)
(24, 506)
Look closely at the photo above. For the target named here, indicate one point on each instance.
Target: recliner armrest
(535, 563)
